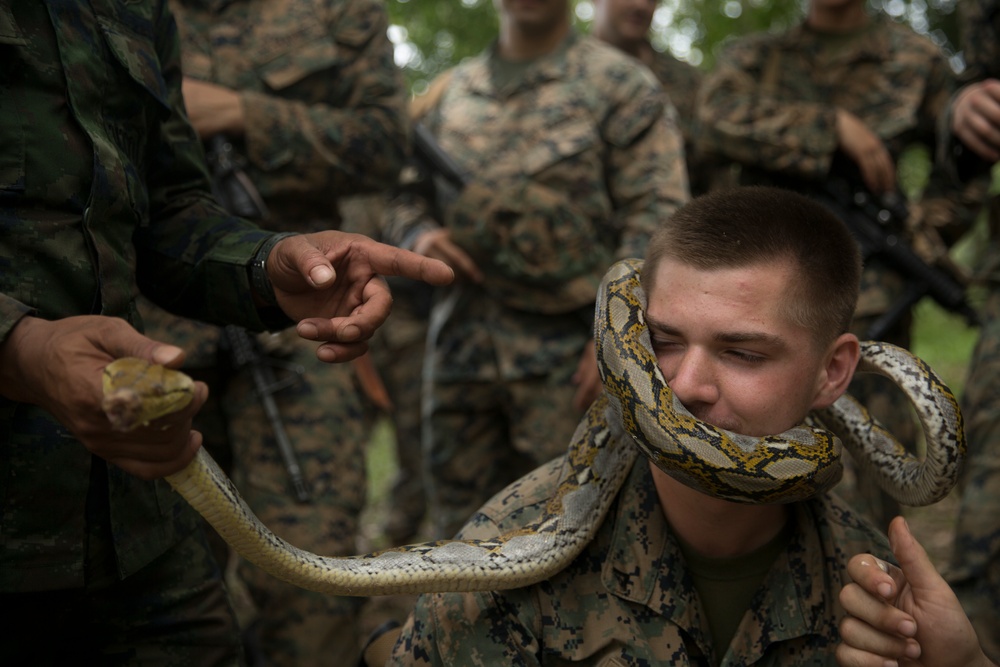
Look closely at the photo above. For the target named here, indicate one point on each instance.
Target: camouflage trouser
(974, 570)
(174, 611)
(328, 424)
(398, 352)
(481, 436)
(889, 405)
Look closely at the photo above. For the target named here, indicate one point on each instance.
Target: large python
(637, 412)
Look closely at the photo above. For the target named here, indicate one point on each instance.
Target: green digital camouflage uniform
(628, 598)
(770, 106)
(325, 115)
(103, 188)
(974, 569)
(573, 163)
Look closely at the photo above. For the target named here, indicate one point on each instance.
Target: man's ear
(837, 370)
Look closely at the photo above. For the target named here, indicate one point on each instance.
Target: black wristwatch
(257, 272)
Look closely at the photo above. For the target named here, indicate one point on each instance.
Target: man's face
(623, 22)
(535, 16)
(727, 352)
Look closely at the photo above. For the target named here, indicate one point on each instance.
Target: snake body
(637, 412)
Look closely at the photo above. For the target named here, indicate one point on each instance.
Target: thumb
(131, 343)
(913, 559)
(298, 258)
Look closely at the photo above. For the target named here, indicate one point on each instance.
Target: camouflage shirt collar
(644, 565)
(872, 42)
(550, 67)
(213, 6)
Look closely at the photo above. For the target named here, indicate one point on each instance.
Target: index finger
(877, 577)
(390, 261)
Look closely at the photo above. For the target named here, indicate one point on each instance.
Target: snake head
(136, 392)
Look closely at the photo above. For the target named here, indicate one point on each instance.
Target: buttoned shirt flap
(573, 136)
(320, 54)
(135, 53)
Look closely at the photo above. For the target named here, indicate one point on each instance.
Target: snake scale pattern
(636, 410)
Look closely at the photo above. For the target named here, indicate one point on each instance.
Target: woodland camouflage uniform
(325, 116)
(974, 570)
(770, 106)
(116, 563)
(573, 160)
(681, 82)
(628, 598)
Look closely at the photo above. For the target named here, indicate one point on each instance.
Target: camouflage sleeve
(354, 147)
(947, 210)
(646, 172)
(191, 257)
(737, 122)
(981, 39)
(474, 629)
(11, 311)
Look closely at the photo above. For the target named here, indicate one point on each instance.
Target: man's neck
(517, 44)
(714, 527)
(848, 17)
(640, 50)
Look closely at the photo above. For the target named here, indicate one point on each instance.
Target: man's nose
(693, 379)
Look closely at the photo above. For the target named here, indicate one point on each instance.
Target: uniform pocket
(136, 54)
(564, 141)
(319, 55)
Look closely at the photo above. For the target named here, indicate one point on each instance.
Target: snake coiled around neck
(637, 412)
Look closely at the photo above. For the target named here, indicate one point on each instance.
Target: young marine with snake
(725, 359)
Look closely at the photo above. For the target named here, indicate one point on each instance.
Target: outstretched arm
(905, 615)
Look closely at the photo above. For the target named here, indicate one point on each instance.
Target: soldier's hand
(57, 365)
(437, 243)
(331, 283)
(212, 109)
(868, 151)
(907, 614)
(975, 118)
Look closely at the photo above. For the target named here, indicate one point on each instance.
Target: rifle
(237, 193)
(449, 178)
(435, 176)
(877, 225)
(246, 352)
(230, 184)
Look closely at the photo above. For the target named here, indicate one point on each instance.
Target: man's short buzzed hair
(743, 226)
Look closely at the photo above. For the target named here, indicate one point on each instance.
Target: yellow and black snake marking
(637, 412)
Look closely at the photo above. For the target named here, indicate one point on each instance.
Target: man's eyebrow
(722, 336)
(750, 337)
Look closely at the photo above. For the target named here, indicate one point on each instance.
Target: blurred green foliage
(432, 35)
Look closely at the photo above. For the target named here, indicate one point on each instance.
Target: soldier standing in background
(625, 24)
(309, 97)
(574, 157)
(842, 88)
(974, 568)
